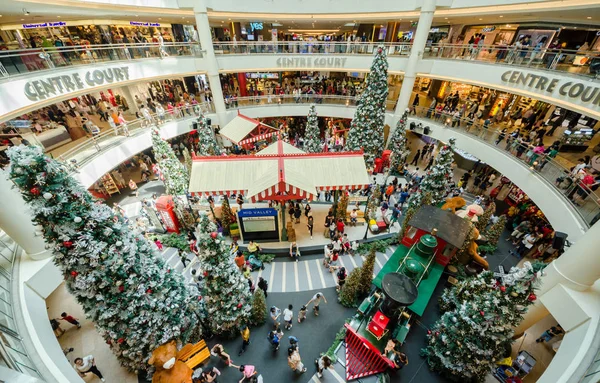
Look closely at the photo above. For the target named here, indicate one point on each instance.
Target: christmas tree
(312, 135)
(366, 128)
(467, 341)
(373, 203)
(398, 144)
(124, 287)
(207, 143)
(484, 219)
(226, 293)
(342, 206)
(187, 158)
(366, 274)
(493, 233)
(173, 173)
(227, 217)
(258, 315)
(438, 179)
(349, 292)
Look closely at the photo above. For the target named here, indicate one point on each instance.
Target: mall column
(416, 53)
(212, 74)
(15, 220)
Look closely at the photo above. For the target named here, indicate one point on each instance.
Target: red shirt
(340, 226)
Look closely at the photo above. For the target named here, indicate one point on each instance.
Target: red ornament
(379, 50)
(109, 342)
(120, 340)
(502, 288)
(199, 297)
(437, 333)
(149, 291)
(74, 273)
(168, 271)
(239, 306)
(428, 332)
(68, 244)
(531, 297)
(213, 235)
(35, 191)
(121, 288)
(482, 313)
(205, 273)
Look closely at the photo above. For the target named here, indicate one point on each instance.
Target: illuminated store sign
(256, 26)
(143, 24)
(488, 29)
(52, 86)
(570, 89)
(311, 62)
(45, 25)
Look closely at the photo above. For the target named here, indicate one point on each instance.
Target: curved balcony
(537, 178)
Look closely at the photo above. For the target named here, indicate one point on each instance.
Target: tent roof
(450, 227)
(272, 149)
(238, 128)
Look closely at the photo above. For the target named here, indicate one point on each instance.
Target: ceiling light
(25, 12)
(160, 18)
(58, 17)
(480, 19)
(575, 27)
(589, 17)
(445, 18)
(230, 19)
(22, 19)
(501, 16)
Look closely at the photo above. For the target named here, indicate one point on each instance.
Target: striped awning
(259, 137)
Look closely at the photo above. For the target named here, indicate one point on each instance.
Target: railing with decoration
(255, 101)
(18, 62)
(308, 47)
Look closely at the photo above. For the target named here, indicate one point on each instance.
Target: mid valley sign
(311, 62)
(588, 93)
(56, 85)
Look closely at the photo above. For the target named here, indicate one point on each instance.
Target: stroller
(255, 263)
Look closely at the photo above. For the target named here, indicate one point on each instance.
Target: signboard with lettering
(311, 62)
(143, 24)
(261, 223)
(45, 25)
(488, 29)
(53, 86)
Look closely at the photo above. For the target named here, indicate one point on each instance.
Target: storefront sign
(570, 89)
(257, 212)
(143, 24)
(256, 26)
(488, 29)
(45, 25)
(311, 62)
(55, 85)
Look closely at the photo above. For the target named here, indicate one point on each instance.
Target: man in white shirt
(288, 316)
(87, 364)
(315, 300)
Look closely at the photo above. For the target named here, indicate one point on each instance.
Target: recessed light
(589, 17)
(22, 19)
(575, 27)
(160, 18)
(445, 18)
(480, 19)
(58, 17)
(501, 16)
(137, 15)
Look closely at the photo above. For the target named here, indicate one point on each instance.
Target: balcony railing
(308, 47)
(18, 62)
(585, 63)
(253, 101)
(87, 150)
(581, 197)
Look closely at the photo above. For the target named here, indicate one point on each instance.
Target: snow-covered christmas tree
(469, 338)
(173, 173)
(366, 128)
(438, 179)
(312, 135)
(227, 297)
(207, 143)
(123, 286)
(398, 144)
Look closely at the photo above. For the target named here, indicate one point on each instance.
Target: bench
(198, 359)
(360, 220)
(187, 352)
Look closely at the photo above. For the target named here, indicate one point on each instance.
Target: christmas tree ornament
(47, 195)
(121, 288)
(312, 135)
(35, 191)
(531, 297)
(77, 219)
(482, 313)
(68, 244)
(120, 340)
(118, 243)
(503, 288)
(74, 273)
(428, 332)
(514, 294)
(214, 235)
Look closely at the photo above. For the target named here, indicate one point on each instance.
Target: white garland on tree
(398, 143)
(207, 143)
(173, 172)
(312, 135)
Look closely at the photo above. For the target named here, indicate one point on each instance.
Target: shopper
(58, 331)
(245, 332)
(219, 352)
(211, 375)
(341, 278)
(295, 361)
(294, 251)
(254, 248)
(302, 314)
(550, 333)
(415, 160)
(240, 260)
(297, 212)
(248, 371)
(288, 316)
(275, 313)
(274, 338)
(87, 364)
(311, 224)
(322, 364)
(316, 300)
(340, 226)
(68, 318)
(263, 285)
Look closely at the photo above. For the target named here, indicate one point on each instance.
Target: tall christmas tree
(366, 274)
(207, 143)
(366, 128)
(398, 144)
(173, 173)
(312, 135)
(187, 158)
(227, 217)
(484, 219)
(342, 206)
(373, 203)
(492, 234)
(349, 292)
(471, 336)
(226, 294)
(258, 315)
(438, 179)
(135, 302)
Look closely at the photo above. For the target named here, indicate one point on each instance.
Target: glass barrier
(585, 63)
(18, 62)
(252, 101)
(548, 168)
(308, 47)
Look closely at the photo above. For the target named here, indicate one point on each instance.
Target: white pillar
(126, 93)
(577, 269)
(15, 220)
(211, 62)
(416, 53)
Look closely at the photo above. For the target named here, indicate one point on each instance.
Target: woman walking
(295, 361)
(310, 225)
(219, 351)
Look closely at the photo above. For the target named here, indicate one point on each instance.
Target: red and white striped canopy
(257, 138)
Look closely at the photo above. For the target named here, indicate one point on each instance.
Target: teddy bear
(169, 368)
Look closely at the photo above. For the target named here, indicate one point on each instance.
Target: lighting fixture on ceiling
(349, 24)
(58, 17)
(25, 12)
(589, 17)
(445, 18)
(501, 16)
(480, 19)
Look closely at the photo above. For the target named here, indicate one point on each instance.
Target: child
(346, 244)
(333, 261)
(288, 314)
(302, 314)
(66, 317)
(328, 254)
(274, 337)
(341, 277)
(158, 244)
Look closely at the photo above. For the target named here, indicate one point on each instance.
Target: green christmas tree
(398, 144)
(342, 206)
(366, 128)
(207, 143)
(484, 219)
(312, 135)
(123, 286)
(172, 172)
(226, 294)
(227, 217)
(373, 203)
(493, 233)
(438, 179)
(258, 315)
(187, 158)
(366, 274)
(349, 292)
(469, 338)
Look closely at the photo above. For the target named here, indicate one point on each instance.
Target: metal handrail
(253, 101)
(308, 47)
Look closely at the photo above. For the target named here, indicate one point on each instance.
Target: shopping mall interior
(392, 191)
